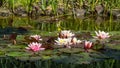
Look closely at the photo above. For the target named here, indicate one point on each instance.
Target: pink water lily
(87, 45)
(36, 37)
(102, 35)
(35, 47)
(66, 34)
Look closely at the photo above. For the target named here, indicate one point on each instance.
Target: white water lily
(66, 34)
(67, 41)
(101, 35)
(75, 41)
(62, 41)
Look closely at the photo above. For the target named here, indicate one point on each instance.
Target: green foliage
(66, 4)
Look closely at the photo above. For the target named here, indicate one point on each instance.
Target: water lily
(87, 45)
(63, 41)
(36, 37)
(67, 42)
(102, 35)
(75, 41)
(35, 47)
(66, 34)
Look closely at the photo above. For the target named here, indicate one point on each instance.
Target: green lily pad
(2, 52)
(13, 50)
(83, 58)
(45, 57)
(35, 58)
(98, 55)
(74, 58)
(47, 52)
(15, 54)
(22, 58)
(58, 46)
(17, 46)
(20, 37)
(71, 50)
(113, 46)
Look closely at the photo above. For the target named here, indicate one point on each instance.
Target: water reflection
(49, 24)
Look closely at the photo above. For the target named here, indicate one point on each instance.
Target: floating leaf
(47, 52)
(17, 46)
(2, 52)
(22, 58)
(98, 55)
(15, 54)
(113, 46)
(35, 58)
(71, 50)
(46, 57)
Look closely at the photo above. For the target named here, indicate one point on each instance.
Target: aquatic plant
(100, 39)
(36, 37)
(75, 41)
(102, 35)
(35, 47)
(33, 38)
(88, 45)
(66, 34)
(67, 39)
(63, 55)
(63, 41)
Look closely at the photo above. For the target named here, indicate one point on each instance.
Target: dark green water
(69, 23)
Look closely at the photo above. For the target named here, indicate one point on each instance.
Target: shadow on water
(14, 25)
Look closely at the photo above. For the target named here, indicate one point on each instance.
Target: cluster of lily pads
(67, 39)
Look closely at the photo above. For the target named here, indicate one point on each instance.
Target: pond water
(48, 27)
(60, 23)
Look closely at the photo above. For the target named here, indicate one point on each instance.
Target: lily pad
(22, 58)
(58, 46)
(47, 52)
(12, 50)
(98, 55)
(35, 58)
(46, 57)
(113, 46)
(15, 54)
(71, 50)
(74, 59)
(17, 46)
(2, 52)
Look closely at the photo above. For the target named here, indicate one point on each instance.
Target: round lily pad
(15, 54)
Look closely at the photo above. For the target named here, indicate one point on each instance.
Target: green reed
(66, 4)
